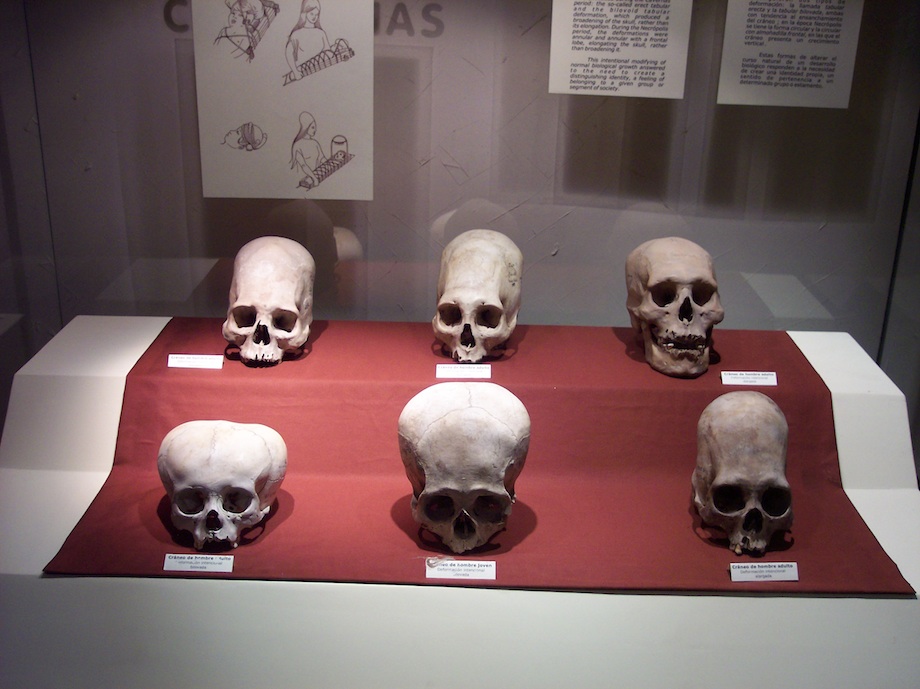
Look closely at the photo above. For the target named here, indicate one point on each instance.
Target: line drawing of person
(247, 23)
(306, 151)
(307, 39)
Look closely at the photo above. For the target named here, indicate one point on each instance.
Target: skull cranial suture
(739, 483)
(673, 303)
(221, 477)
(479, 294)
(271, 300)
(463, 446)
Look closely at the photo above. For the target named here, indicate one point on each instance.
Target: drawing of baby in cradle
(247, 23)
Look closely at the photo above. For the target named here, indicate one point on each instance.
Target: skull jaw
(270, 354)
(683, 355)
(259, 347)
(466, 354)
(256, 355)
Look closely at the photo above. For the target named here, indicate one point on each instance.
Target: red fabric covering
(604, 501)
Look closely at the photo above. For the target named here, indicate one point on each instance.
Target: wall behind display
(801, 208)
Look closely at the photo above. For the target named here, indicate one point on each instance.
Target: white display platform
(58, 446)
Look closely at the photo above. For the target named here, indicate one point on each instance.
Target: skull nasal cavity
(686, 310)
(466, 337)
(753, 521)
(212, 521)
(261, 335)
(464, 527)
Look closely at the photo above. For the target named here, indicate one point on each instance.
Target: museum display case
(145, 144)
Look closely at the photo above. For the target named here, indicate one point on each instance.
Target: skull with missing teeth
(739, 483)
(463, 446)
(221, 477)
(673, 302)
(479, 294)
(271, 300)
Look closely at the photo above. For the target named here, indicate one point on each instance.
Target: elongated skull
(221, 477)
(739, 483)
(463, 446)
(271, 300)
(479, 294)
(673, 302)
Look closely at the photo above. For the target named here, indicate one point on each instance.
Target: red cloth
(604, 501)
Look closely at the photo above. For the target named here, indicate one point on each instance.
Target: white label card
(749, 378)
(175, 562)
(213, 361)
(468, 371)
(764, 571)
(448, 568)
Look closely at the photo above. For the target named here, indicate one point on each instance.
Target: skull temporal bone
(463, 445)
(479, 294)
(221, 477)
(739, 482)
(673, 302)
(271, 300)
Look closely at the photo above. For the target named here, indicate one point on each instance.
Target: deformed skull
(479, 294)
(271, 300)
(673, 303)
(739, 483)
(221, 477)
(463, 446)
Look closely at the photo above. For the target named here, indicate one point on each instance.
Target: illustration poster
(285, 97)
(793, 53)
(620, 47)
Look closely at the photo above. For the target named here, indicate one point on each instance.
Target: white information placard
(180, 562)
(749, 378)
(795, 53)
(620, 48)
(449, 568)
(285, 98)
(210, 361)
(464, 371)
(764, 571)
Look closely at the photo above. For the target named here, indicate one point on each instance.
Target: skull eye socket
(236, 500)
(449, 314)
(489, 317)
(190, 501)
(663, 293)
(776, 501)
(489, 508)
(284, 320)
(244, 316)
(439, 508)
(728, 499)
(702, 292)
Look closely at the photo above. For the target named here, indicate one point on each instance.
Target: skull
(221, 477)
(463, 446)
(271, 300)
(739, 483)
(673, 303)
(479, 294)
